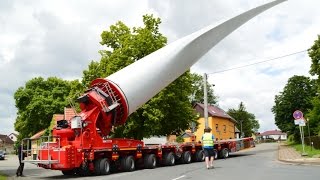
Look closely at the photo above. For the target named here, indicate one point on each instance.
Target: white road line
(179, 177)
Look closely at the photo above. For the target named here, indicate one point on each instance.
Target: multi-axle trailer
(82, 145)
(120, 154)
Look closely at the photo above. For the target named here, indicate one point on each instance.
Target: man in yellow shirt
(208, 144)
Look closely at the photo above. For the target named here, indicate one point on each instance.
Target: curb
(311, 161)
(299, 162)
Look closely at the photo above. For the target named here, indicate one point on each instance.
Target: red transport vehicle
(82, 145)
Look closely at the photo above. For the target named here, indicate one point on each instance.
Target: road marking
(179, 177)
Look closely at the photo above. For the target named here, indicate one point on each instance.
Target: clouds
(59, 38)
(284, 29)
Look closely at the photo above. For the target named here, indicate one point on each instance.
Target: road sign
(297, 114)
(303, 123)
(300, 122)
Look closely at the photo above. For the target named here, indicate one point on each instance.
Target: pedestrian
(208, 147)
(21, 156)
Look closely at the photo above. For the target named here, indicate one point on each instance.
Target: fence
(314, 139)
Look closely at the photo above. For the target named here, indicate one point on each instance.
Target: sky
(60, 38)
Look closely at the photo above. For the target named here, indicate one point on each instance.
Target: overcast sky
(59, 38)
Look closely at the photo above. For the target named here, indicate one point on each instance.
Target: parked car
(2, 155)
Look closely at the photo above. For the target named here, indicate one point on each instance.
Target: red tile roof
(215, 111)
(58, 117)
(38, 134)
(69, 113)
(272, 132)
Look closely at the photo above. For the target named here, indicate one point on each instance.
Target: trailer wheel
(199, 156)
(186, 157)
(68, 172)
(224, 153)
(104, 166)
(169, 159)
(83, 170)
(97, 166)
(127, 163)
(150, 161)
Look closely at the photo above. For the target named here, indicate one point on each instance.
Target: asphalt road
(257, 163)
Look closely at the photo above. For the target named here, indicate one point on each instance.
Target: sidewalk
(288, 154)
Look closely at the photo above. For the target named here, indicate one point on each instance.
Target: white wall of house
(12, 137)
(155, 140)
(276, 137)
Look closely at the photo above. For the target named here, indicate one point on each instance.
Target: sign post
(299, 120)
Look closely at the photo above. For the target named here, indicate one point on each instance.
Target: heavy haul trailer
(82, 146)
(113, 154)
(223, 148)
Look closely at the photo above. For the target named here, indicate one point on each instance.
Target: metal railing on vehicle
(33, 150)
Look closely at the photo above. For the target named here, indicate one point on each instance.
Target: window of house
(217, 127)
(224, 128)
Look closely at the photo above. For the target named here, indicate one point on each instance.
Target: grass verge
(311, 152)
(3, 176)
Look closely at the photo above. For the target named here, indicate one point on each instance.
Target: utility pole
(205, 99)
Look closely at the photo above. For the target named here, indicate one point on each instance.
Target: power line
(272, 59)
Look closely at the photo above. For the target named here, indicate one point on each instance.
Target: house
(274, 134)
(13, 137)
(6, 144)
(36, 138)
(223, 126)
(237, 132)
(188, 136)
(68, 114)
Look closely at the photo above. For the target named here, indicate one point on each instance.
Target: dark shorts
(208, 152)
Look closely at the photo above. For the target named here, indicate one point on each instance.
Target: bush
(180, 139)
(291, 139)
(314, 139)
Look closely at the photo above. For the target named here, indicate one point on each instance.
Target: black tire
(104, 166)
(127, 163)
(199, 156)
(186, 157)
(83, 170)
(150, 161)
(224, 153)
(68, 172)
(97, 167)
(169, 159)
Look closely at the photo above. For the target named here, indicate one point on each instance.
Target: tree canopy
(38, 100)
(248, 120)
(197, 95)
(170, 111)
(314, 114)
(296, 95)
(314, 54)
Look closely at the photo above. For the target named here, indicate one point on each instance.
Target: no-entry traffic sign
(297, 114)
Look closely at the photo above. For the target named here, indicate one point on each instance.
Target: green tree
(197, 96)
(314, 114)
(296, 95)
(314, 54)
(170, 110)
(39, 100)
(248, 120)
